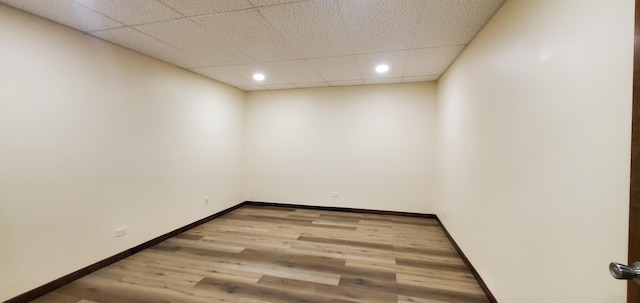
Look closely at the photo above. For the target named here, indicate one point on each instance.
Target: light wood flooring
(259, 254)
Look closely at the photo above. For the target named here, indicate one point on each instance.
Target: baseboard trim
(57, 283)
(344, 209)
(466, 261)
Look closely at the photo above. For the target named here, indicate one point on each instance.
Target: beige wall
(374, 145)
(532, 164)
(534, 122)
(93, 137)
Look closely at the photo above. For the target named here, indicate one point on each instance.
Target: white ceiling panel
(246, 71)
(421, 78)
(315, 28)
(346, 83)
(252, 88)
(280, 86)
(132, 12)
(453, 22)
(298, 71)
(382, 80)
(382, 25)
(224, 74)
(336, 68)
(395, 61)
(258, 3)
(206, 7)
(431, 61)
(249, 31)
(295, 43)
(312, 84)
(66, 12)
(137, 41)
(189, 37)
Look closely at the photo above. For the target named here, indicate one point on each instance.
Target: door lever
(623, 272)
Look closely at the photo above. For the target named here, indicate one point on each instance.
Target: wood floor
(259, 254)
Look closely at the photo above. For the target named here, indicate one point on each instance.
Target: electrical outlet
(206, 201)
(120, 231)
(335, 194)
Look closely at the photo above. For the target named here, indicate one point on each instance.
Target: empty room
(319, 151)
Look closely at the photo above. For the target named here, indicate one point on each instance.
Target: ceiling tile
(257, 3)
(65, 12)
(249, 31)
(346, 83)
(189, 37)
(132, 11)
(137, 41)
(336, 68)
(280, 86)
(453, 22)
(431, 61)
(206, 7)
(305, 43)
(421, 78)
(315, 28)
(223, 74)
(396, 61)
(382, 80)
(243, 71)
(294, 71)
(312, 84)
(382, 25)
(252, 88)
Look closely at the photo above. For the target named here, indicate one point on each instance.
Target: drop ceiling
(306, 43)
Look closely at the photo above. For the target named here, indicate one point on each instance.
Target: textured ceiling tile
(382, 80)
(206, 7)
(252, 88)
(132, 11)
(336, 68)
(453, 22)
(395, 61)
(249, 31)
(421, 78)
(258, 3)
(189, 37)
(312, 84)
(294, 71)
(280, 86)
(315, 28)
(382, 25)
(137, 41)
(65, 12)
(346, 83)
(431, 61)
(244, 71)
(223, 74)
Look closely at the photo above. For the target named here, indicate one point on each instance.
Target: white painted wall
(375, 145)
(534, 125)
(93, 137)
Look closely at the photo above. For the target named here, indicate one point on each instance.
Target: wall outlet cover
(120, 231)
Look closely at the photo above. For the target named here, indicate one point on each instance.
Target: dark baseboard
(345, 209)
(55, 284)
(466, 261)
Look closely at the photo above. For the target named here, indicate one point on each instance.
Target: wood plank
(271, 254)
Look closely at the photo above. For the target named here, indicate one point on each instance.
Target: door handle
(623, 272)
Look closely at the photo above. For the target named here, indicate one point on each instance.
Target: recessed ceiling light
(258, 77)
(382, 68)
